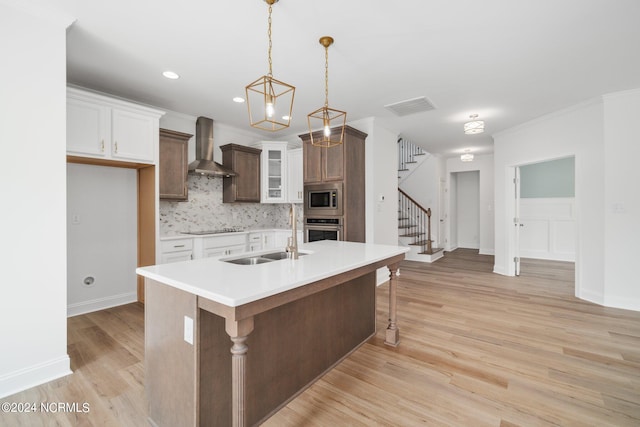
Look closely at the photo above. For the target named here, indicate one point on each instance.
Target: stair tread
(402, 170)
(405, 226)
(420, 243)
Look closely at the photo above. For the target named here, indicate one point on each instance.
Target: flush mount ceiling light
(268, 98)
(327, 117)
(238, 99)
(474, 126)
(171, 75)
(467, 156)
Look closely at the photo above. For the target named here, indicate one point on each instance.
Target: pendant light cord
(270, 45)
(326, 76)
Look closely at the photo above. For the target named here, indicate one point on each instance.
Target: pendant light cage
(270, 101)
(331, 121)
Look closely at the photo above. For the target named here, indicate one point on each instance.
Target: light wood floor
(477, 349)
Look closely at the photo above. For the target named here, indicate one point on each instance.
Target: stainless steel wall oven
(322, 229)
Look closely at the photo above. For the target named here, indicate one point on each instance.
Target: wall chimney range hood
(204, 164)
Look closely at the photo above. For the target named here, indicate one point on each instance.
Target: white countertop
(234, 285)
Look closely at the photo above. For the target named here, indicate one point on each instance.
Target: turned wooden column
(392, 336)
(238, 331)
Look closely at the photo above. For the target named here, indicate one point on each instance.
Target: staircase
(409, 157)
(414, 221)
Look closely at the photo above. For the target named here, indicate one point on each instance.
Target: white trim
(486, 251)
(100, 304)
(17, 381)
(594, 297)
(622, 302)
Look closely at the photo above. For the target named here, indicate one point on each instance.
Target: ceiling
(507, 61)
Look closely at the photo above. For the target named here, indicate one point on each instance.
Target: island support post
(392, 336)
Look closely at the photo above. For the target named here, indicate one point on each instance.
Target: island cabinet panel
(171, 383)
(291, 346)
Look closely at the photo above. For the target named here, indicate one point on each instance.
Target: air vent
(410, 106)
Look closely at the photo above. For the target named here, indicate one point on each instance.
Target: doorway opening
(464, 203)
(545, 215)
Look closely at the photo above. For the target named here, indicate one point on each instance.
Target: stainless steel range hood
(204, 163)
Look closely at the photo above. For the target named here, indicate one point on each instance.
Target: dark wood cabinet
(173, 165)
(245, 162)
(343, 163)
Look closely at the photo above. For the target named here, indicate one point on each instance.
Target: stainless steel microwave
(323, 199)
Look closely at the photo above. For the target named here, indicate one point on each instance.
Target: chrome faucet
(292, 243)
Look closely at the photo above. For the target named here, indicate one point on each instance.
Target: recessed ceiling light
(238, 99)
(171, 75)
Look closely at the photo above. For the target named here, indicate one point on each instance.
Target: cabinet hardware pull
(116, 144)
(102, 146)
(178, 246)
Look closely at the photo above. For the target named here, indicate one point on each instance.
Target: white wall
(484, 164)
(102, 237)
(468, 207)
(575, 131)
(621, 199)
(381, 177)
(33, 320)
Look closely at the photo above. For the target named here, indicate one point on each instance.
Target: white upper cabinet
(281, 168)
(102, 127)
(273, 181)
(295, 183)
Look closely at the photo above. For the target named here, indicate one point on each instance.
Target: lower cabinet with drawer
(176, 250)
(213, 246)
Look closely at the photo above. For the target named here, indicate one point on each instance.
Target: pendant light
(474, 126)
(331, 121)
(270, 101)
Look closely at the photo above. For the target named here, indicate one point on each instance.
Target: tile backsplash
(205, 211)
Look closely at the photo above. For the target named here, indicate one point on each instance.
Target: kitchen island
(230, 344)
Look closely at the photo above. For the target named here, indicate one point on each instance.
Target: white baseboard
(32, 376)
(100, 303)
(622, 302)
(468, 245)
(498, 269)
(487, 251)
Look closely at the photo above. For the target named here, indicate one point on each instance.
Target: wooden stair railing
(415, 221)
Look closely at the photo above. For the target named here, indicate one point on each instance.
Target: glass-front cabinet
(274, 171)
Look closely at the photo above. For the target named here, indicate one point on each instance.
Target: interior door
(516, 220)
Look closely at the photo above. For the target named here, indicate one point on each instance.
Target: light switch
(188, 329)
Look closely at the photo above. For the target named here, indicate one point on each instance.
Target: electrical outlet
(188, 329)
(75, 219)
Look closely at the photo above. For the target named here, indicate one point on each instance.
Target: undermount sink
(249, 260)
(279, 255)
(260, 259)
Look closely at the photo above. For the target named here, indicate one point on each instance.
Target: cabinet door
(87, 128)
(247, 166)
(175, 257)
(173, 165)
(312, 163)
(295, 183)
(273, 183)
(333, 163)
(133, 136)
